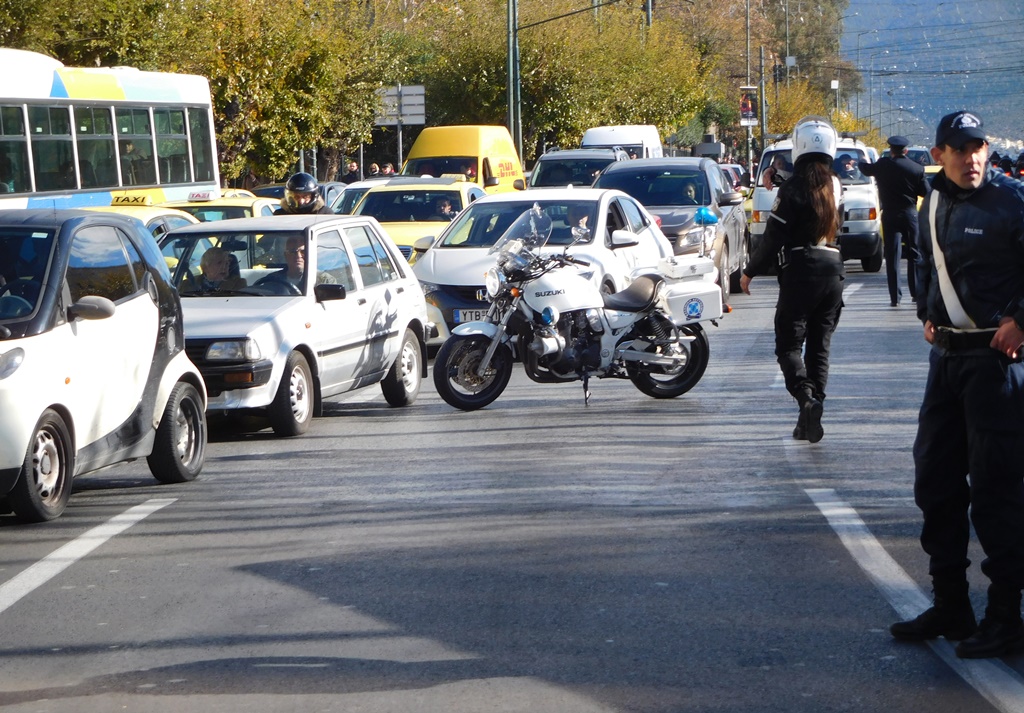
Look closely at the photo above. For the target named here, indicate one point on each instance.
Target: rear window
(676, 186)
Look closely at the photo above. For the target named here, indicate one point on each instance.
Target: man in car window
(295, 261)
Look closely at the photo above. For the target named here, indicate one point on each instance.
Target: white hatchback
(624, 241)
(283, 312)
(92, 366)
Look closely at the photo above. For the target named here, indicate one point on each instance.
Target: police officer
(967, 455)
(900, 181)
(802, 229)
(302, 196)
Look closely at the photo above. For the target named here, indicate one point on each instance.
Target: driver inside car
(295, 261)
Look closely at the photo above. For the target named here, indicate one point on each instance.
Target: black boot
(811, 411)
(1001, 632)
(951, 616)
(800, 432)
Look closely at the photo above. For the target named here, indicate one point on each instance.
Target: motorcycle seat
(639, 296)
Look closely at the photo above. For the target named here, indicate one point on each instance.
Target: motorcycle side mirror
(704, 216)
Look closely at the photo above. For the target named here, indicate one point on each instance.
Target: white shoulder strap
(955, 310)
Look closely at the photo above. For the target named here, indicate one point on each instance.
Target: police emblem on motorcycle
(694, 308)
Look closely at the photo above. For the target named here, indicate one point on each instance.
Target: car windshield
(346, 202)
(564, 172)
(660, 186)
(411, 206)
(24, 261)
(441, 166)
(219, 263)
(845, 166)
(205, 214)
(480, 225)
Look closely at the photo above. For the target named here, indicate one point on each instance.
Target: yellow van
(483, 154)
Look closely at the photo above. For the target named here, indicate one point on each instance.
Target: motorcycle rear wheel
(663, 383)
(455, 374)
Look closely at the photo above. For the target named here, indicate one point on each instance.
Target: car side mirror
(623, 239)
(731, 198)
(326, 293)
(491, 181)
(423, 244)
(91, 307)
(519, 184)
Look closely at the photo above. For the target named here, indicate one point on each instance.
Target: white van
(861, 235)
(639, 141)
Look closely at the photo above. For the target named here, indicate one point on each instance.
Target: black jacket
(981, 234)
(788, 232)
(900, 181)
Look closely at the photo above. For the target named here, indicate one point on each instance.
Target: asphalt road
(633, 555)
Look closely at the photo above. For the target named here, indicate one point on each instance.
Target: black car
(673, 189)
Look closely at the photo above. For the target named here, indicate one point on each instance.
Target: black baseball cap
(898, 142)
(958, 128)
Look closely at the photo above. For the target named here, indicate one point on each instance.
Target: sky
(922, 59)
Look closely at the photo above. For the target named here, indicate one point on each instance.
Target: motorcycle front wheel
(663, 382)
(456, 377)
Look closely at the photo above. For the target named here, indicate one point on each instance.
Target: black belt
(959, 341)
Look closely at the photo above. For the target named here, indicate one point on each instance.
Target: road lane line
(999, 684)
(56, 562)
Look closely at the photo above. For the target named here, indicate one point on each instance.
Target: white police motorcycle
(546, 313)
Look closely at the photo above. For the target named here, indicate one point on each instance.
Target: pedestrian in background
(374, 170)
(352, 175)
(802, 228)
(387, 170)
(968, 453)
(900, 182)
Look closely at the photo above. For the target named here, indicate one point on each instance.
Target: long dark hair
(815, 176)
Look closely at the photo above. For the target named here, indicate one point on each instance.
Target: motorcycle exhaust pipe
(660, 360)
(542, 346)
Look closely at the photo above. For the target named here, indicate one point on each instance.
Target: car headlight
(693, 236)
(10, 361)
(429, 288)
(234, 350)
(861, 214)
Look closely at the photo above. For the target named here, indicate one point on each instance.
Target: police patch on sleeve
(694, 308)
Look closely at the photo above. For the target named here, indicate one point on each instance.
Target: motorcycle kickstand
(586, 388)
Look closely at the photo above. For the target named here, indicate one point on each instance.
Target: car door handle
(400, 290)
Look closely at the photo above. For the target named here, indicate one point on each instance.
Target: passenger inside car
(214, 266)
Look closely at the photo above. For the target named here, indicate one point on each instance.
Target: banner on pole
(748, 106)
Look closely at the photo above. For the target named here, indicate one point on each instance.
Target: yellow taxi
(229, 203)
(158, 219)
(416, 207)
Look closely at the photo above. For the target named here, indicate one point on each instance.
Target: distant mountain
(923, 59)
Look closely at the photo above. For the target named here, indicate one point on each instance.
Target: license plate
(469, 315)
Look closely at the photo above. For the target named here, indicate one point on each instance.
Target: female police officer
(800, 235)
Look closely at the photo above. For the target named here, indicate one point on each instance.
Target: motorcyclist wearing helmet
(302, 196)
(801, 235)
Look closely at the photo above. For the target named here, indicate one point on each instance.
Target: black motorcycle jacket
(789, 239)
(981, 235)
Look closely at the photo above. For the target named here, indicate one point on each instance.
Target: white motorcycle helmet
(814, 135)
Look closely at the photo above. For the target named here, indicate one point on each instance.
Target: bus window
(50, 131)
(200, 132)
(97, 161)
(171, 145)
(13, 151)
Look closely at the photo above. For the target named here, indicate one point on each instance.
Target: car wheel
(180, 447)
(44, 485)
(873, 263)
(292, 408)
(402, 383)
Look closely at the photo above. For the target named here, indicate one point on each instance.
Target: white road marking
(56, 562)
(999, 684)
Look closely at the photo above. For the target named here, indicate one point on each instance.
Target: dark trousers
(899, 228)
(805, 318)
(968, 458)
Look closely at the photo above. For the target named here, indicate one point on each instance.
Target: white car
(861, 235)
(307, 307)
(92, 366)
(624, 241)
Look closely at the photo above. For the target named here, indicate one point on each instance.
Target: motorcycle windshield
(530, 231)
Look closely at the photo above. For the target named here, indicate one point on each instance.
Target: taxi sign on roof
(136, 200)
(204, 195)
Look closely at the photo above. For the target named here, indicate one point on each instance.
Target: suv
(860, 237)
(93, 369)
(559, 168)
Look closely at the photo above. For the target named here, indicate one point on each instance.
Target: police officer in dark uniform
(969, 451)
(800, 236)
(900, 182)
(302, 196)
